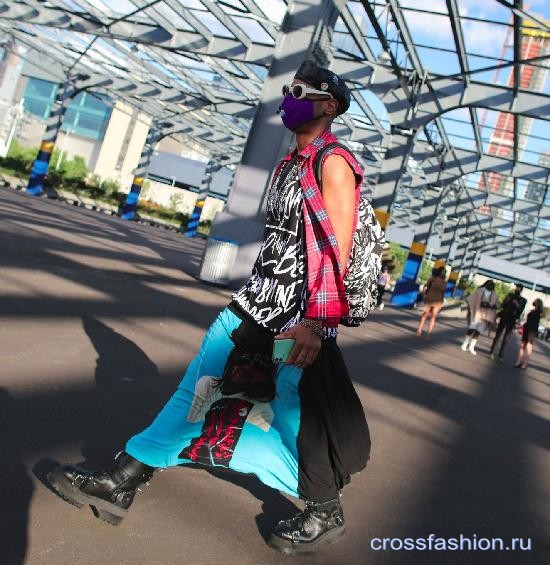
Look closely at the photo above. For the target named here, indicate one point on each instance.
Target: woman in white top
(482, 308)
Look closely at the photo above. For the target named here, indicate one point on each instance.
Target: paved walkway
(98, 319)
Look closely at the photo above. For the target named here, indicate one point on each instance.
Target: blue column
(40, 169)
(130, 206)
(406, 288)
(451, 284)
(195, 218)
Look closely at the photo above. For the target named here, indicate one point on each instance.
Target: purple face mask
(296, 112)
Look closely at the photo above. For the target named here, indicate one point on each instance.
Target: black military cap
(323, 79)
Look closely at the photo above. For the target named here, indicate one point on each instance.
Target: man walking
(512, 308)
(299, 426)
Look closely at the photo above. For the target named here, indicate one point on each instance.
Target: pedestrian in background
(511, 311)
(482, 314)
(529, 334)
(433, 297)
(383, 283)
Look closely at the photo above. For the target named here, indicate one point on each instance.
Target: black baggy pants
(333, 439)
(504, 329)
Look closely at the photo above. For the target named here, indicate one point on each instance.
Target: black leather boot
(318, 523)
(109, 493)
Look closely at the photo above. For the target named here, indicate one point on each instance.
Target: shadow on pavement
(16, 486)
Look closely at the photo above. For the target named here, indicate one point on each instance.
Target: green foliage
(72, 174)
(109, 187)
(467, 286)
(74, 169)
(175, 201)
(149, 208)
(502, 289)
(426, 269)
(204, 227)
(398, 256)
(19, 158)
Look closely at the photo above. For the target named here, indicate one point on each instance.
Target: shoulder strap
(318, 163)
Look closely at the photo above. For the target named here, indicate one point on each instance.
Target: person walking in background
(512, 308)
(530, 332)
(383, 284)
(482, 306)
(433, 296)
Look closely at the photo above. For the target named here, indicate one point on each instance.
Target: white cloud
(484, 38)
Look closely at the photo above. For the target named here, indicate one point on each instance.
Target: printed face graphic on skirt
(224, 418)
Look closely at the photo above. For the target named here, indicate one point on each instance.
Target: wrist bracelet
(314, 325)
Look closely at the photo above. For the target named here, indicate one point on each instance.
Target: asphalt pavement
(99, 318)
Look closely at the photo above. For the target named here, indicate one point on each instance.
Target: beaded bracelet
(314, 325)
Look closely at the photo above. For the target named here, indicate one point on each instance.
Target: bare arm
(338, 189)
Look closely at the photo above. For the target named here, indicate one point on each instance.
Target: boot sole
(102, 509)
(287, 547)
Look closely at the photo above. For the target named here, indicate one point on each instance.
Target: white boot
(471, 349)
(465, 343)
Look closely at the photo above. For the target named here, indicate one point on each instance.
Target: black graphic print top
(275, 295)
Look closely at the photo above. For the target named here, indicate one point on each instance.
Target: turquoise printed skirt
(200, 425)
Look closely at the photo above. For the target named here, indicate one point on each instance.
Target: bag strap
(318, 163)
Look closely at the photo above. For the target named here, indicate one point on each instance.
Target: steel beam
(305, 33)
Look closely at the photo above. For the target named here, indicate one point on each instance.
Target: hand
(305, 349)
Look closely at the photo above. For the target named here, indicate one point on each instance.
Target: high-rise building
(535, 190)
(534, 43)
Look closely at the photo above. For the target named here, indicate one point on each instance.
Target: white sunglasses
(300, 91)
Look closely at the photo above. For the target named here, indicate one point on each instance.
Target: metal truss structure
(426, 116)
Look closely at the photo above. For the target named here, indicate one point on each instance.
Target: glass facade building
(87, 115)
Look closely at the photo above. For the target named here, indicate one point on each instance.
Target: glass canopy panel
(429, 6)
(439, 62)
(193, 4)
(253, 30)
(360, 17)
(212, 23)
(486, 39)
(535, 142)
(432, 30)
(119, 7)
(344, 44)
(258, 70)
(487, 10)
(75, 6)
(232, 6)
(377, 107)
(172, 16)
(273, 10)
(459, 129)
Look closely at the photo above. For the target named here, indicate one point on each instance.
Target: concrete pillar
(64, 94)
(393, 167)
(452, 281)
(305, 34)
(129, 208)
(406, 288)
(212, 167)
